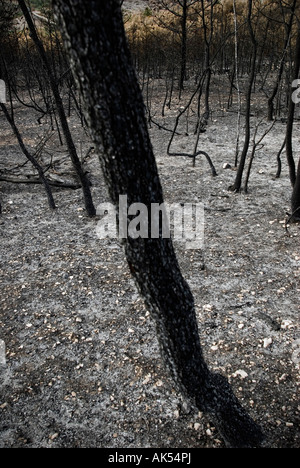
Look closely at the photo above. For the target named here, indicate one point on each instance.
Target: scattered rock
(241, 373)
(267, 342)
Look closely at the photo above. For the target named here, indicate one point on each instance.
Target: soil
(82, 366)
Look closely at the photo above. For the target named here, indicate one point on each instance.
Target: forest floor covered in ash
(82, 366)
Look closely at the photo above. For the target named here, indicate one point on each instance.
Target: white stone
(241, 373)
(2, 353)
(267, 342)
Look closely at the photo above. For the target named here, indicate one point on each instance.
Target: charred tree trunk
(290, 120)
(61, 112)
(294, 175)
(288, 29)
(183, 44)
(95, 40)
(236, 187)
(208, 32)
(29, 156)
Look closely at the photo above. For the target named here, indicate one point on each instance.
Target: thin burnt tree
(96, 42)
(89, 205)
(7, 15)
(179, 9)
(207, 24)
(293, 170)
(288, 31)
(236, 187)
(291, 113)
(10, 119)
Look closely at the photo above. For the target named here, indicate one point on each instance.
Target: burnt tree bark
(95, 40)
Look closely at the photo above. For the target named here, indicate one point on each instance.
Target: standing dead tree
(256, 146)
(288, 31)
(294, 171)
(36, 165)
(7, 14)
(236, 187)
(236, 73)
(179, 9)
(199, 129)
(208, 35)
(61, 111)
(290, 117)
(95, 39)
